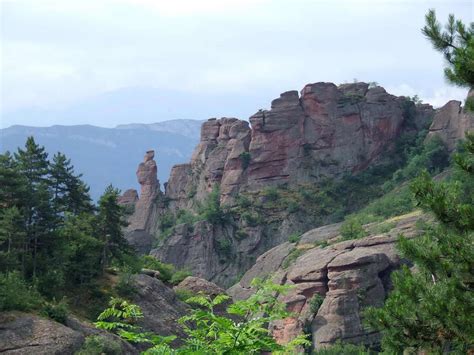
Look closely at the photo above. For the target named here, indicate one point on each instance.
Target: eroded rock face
(323, 132)
(350, 275)
(196, 286)
(142, 222)
(160, 306)
(326, 131)
(451, 122)
(129, 198)
(22, 333)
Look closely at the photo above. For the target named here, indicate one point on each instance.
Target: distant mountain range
(111, 155)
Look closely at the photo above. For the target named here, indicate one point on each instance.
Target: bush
(16, 294)
(293, 207)
(352, 229)
(125, 287)
(252, 219)
(321, 243)
(99, 345)
(384, 227)
(224, 247)
(271, 194)
(166, 270)
(294, 254)
(245, 158)
(294, 238)
(184, 216)
(211, 210)
(183, 294)
(243, 201)
(315, 302)
(179, 276)
(57, 311)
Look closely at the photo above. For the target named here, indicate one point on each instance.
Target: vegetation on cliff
(54, 242)
(431, 306)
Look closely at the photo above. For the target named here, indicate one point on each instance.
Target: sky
(203, 58)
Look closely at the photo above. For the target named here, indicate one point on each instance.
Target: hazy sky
(60, 53)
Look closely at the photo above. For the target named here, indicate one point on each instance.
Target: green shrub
(292, 206)
(57, 311)
(253, 219)
(166, 270)
(384, 227)
(271, 194)
(245, 159)
(99, 345)
(294, 238)
(290, 259)
(242, 330)
(243, 201)
(16, 294)
(321, 243)
(167, 220)
(315, 302)
(241, 234)
(183, 294)
(179, 276)
(211, 209)
(184, 216)
(352, 229)
(223, 247)
(125, 286)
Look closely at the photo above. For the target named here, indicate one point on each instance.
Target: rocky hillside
(309, 160)
(333, 280)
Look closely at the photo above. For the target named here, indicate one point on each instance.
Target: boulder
(22, 333)
(196, 286)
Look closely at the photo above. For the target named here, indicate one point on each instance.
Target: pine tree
(431, 306)
(11, 181)
(110, 221)
(32, 164)
(456, 43)
(70, 194)
(12, 237)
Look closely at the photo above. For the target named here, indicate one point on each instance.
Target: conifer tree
(33, 165)
(456, 42)
(110, 221)
(431, 306)
(70, 194)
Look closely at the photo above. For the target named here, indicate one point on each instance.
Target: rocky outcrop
(349, 275)
(129, 198)
(88, 329)
(327, 130)
(22, 333)
(451, 122)
(139, 232)
(321, 133)
(196, 286)
(160, 306)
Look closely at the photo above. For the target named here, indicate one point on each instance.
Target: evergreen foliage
(52, 239)
(456, 43)
(430, 309)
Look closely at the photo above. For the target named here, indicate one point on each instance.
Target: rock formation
(324, 132)
(160, 306)
(327, 131)
(451, 122)
(349, 275)
(144, 216)
(22, 333)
